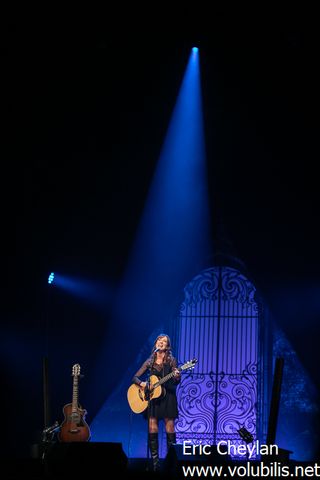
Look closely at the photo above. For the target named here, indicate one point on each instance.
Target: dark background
(85, 109)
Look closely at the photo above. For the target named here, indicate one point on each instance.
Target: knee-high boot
(171, 439)
(154, 449)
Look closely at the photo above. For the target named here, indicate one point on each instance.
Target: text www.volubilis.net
(259, 470)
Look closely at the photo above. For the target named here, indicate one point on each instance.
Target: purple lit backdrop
(218, 325)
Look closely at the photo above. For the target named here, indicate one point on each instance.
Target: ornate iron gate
(219, 324)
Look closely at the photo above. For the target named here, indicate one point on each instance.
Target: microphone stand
(148, 408)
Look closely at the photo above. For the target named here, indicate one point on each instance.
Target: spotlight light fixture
(51, 278)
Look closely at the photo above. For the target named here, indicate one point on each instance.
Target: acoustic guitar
(74, 427)
(138, 397)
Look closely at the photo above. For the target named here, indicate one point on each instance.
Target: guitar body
(138, 397)
(74, 427)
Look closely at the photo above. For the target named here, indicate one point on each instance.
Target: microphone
(51, 429)
(156, 350)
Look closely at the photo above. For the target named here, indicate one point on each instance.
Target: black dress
(166, 405)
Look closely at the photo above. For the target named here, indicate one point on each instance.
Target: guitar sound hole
(74, 418)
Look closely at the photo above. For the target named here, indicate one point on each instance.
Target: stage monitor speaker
(85, 459)
(176, 458)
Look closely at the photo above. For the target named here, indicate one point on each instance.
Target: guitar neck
(164, 379)
(186, 366)
(75, 393)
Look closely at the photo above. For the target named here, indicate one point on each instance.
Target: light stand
(49, 432)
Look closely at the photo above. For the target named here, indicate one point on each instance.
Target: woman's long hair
(168, 357)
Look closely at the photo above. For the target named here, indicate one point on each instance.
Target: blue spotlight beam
(96, 293)
(173, 239)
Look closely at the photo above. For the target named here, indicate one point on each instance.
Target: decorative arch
(220, 324)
